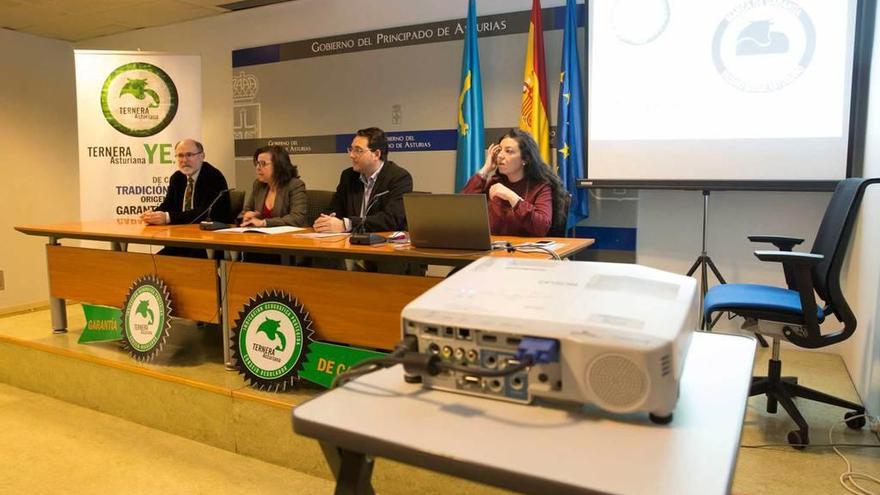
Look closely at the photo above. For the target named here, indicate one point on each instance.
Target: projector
(606, 334)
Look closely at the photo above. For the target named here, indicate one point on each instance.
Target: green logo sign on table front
(325, 361)
(146, 317)
(273, 346)
(102, 324)
(270, 339)
(139, 99)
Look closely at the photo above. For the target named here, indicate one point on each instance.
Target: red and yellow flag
(534, 117)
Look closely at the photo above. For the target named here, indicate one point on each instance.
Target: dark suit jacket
(291, 203)
(208, 185)
(386, 213)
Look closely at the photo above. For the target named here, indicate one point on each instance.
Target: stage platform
(186, 391)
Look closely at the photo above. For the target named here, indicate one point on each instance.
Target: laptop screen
(448, 221)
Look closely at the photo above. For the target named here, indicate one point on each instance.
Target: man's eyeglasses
(262, 164)
(187, 155)
(357, 150)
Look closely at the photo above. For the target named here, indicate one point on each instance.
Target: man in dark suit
(369, 197)
(191, 190)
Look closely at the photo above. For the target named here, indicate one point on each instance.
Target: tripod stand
(704, 262)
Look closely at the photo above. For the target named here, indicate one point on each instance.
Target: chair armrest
(783, 243)
(786, 257)
(799, 275)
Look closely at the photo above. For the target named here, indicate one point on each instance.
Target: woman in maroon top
(522, 189)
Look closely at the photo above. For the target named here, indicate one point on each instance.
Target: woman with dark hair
(523, 191)
(278, 196)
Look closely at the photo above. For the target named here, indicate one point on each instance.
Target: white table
(539, 449)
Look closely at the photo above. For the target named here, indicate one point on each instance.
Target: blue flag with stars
(569, 126)
(470, 152)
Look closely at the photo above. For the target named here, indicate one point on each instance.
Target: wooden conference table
(357, 308)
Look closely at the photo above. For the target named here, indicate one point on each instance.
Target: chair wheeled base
(784, 389)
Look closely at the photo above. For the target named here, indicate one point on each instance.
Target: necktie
(368, 191)
(188, 194)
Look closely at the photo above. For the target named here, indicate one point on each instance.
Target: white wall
(862, 351)
(39, 167)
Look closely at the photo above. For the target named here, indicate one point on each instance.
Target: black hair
(536, 171)
(282, 169)
(376, 140)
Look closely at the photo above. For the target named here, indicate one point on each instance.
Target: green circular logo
(146, 317)
(271, 337)
(139, 99)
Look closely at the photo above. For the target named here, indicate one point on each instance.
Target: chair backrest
(318, 202)
(832, 241)
(834, 233)
(236, 202)
(560, 216)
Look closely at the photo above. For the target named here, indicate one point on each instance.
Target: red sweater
(529, 218)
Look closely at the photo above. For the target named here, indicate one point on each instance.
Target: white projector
(609, 334)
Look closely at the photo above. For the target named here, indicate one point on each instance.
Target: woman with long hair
(278, 196)
(523, 191)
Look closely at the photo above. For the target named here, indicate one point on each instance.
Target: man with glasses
(369, 197)
(191, 190)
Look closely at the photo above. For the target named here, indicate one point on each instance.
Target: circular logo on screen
(764, 45)
(139, 99)
(639, 22)
(270, 340)
(146, 317)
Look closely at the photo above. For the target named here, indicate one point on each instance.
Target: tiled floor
(51, 446)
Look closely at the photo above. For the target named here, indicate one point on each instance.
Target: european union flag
(569, 128)
(471, 149)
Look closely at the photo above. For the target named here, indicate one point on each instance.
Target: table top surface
(135, 231)
(540, 449)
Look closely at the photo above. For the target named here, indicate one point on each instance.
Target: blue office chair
(792, 313)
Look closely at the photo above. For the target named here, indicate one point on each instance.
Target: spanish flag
(534, 116)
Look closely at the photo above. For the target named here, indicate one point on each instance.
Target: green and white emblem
(146, 317)
(270, 340)
(139, 99)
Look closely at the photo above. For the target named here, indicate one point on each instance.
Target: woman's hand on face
(491, 163)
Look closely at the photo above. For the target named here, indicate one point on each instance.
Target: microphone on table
(360, 237)
(209, 224)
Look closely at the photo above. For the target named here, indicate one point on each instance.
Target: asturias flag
(470, 153)
(569, 128)
(534, 115)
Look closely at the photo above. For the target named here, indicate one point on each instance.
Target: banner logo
(764, 45)
(270, 340)
(146, 317)
(139, 99)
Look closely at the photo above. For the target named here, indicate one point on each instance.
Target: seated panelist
(278, 196)
(522, 189)
(197, 191)
(192, 189)
(369, 196)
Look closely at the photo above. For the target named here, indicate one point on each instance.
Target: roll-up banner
(132, 107)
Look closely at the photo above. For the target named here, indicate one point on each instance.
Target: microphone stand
(367, 239)
(209, 224)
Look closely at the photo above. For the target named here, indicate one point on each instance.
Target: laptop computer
(448, 221)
